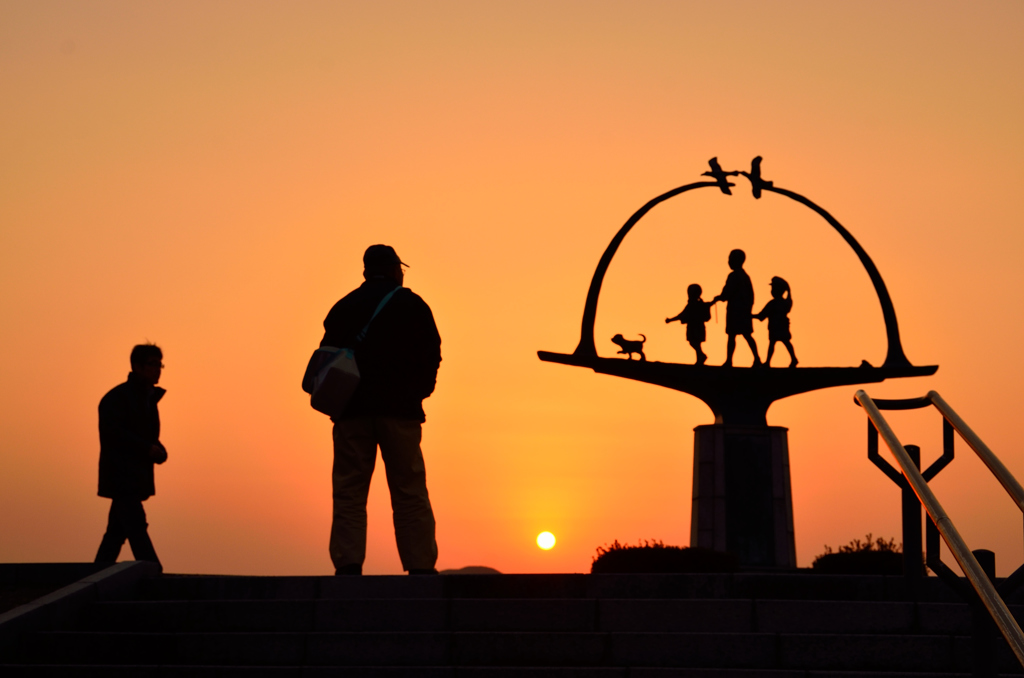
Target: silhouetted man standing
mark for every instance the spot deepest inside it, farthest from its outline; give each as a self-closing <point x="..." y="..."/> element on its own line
<point x="398" y="361"/>
<point x="129" y="447"/>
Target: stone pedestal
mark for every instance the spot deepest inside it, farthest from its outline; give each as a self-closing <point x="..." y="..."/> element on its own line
<point x="742" y="497"/>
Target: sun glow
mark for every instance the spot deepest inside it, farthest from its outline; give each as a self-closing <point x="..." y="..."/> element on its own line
<point x="546" y="540"/>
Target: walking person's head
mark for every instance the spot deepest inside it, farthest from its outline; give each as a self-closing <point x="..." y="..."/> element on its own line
<point x="780" y="288"/>
<point x="736" y="259"/>
<point x="382" y="260"/>
<point x="147" y="363"/>
<point x="693" y="292"/>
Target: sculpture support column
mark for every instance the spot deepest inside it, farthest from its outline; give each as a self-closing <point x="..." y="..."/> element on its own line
<point x="742" y="496"/>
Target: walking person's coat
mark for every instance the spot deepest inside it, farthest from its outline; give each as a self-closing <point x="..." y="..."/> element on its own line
<point x="129" y="427"/>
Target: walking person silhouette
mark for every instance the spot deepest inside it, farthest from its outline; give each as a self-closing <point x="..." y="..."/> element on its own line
<point x="694" y="315"/>
<point x="739" y="293"/>
<point x="129" y="447"/>
<point x="777" y="313"/>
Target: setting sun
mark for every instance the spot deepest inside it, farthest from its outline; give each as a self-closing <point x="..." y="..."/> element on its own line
<point x="546" y="540"/>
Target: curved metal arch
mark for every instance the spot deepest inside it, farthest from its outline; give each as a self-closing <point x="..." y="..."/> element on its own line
<point x="894" y="357"/>
<point x="586" y="346"/>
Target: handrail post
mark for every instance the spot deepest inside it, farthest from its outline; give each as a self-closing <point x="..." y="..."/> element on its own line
<point x="983" y="629"/>
<point x="913" y="568"/>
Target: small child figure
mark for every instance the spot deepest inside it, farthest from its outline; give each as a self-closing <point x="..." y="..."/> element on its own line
<point x="777" y="313"/>
<point x="696" y="313"/>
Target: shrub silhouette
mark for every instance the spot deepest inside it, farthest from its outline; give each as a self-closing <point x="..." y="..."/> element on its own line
<point x="862" y="557"/>
<point x="654" y="557"/>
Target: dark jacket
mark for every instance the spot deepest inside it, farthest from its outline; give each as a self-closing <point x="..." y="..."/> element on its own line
<point x="129" y="426"/>
<point x="399" y="357"/>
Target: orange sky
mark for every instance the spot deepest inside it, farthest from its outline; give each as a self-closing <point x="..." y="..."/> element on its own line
<point x="207" y="175"/>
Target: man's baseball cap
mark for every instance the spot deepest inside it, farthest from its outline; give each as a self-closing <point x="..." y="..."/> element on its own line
<point x="377" y="256"/>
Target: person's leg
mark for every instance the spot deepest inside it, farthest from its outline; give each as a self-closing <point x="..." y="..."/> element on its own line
<point x="113" y="539"/>
<point x="134" y="521"/>
<point x="753" y="348"/>
<point x="771" y="351"/>
<point x="410" y="503"/>
<point x="355" y="453"/>
<point x="701" y="358"/>
<point x="730" y="348"/>
<point x="792" y="353"/>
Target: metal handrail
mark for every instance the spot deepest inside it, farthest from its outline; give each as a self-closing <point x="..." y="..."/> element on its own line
<point x="987" y="456"/>
<point x="982" y="585"/>
<point x="1002" y="474"/>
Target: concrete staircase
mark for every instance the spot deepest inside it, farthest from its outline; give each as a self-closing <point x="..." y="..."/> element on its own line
<point x="796" y="625"/>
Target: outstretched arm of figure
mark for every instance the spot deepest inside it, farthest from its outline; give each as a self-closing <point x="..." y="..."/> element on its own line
<point x="678" y="317"/>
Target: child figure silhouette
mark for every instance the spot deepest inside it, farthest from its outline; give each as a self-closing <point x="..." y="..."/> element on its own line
<point x="739" y="295"/>
<point x="777" y="313"/>
<point x="694" y="315"/>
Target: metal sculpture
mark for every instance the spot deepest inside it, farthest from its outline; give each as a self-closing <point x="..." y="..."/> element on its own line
<point x="742" y="501"/>
<point x="739" y="396"/>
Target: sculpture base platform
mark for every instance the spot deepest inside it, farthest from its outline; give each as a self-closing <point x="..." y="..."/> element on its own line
<point x="742" y="496"/>
<point x="737" y="395"/>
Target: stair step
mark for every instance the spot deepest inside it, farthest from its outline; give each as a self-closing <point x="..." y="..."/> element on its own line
<point x="750" y="625"/>
<point x="696" y="650"/>
<point x="348" y="615"/>
<point x="803" y="586"/>
<point x="151" y="671"/>
<point x="547" y="614"/>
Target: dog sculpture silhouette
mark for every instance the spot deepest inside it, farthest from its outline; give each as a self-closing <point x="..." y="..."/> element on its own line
<point x="629" y="347"/>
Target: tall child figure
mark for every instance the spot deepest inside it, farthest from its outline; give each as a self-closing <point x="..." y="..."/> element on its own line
<point x="739" y="294"/>
<point x="777" y="313"/>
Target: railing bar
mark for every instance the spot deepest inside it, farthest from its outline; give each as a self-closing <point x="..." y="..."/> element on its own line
<point x="903" y="404"/>
<point x="968" y="563"/>
<point x="1002" y="474"/>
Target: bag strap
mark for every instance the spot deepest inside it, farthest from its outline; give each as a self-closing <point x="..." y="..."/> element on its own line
<point x="383" y="302"/>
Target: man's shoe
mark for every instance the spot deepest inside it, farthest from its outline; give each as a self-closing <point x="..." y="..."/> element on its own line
<point x="353" y="569"/>
<point x="423" y="570"/>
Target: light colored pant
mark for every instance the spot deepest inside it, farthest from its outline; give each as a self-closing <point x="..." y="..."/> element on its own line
<point x="355" y="453"/>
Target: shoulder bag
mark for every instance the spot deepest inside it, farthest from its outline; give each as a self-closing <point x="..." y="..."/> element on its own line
<point x="332" y="374"/>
